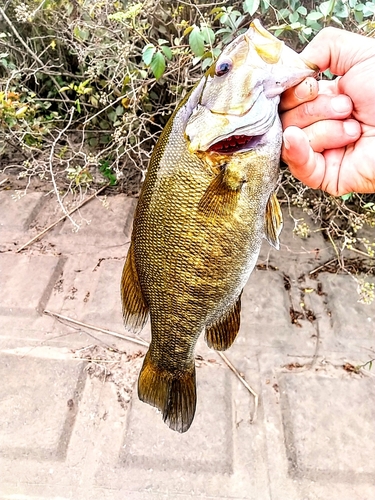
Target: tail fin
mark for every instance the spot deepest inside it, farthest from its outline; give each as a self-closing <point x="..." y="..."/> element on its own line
<point x="173" y="393"/>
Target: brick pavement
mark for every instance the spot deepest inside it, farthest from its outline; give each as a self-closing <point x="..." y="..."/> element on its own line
<point x="65" y="433"/>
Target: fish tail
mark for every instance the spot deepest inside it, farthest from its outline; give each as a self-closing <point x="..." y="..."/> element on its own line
<point x="173" y="393"/>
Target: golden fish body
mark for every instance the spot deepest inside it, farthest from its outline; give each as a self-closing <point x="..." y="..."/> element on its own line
<point x="205" y="206"/>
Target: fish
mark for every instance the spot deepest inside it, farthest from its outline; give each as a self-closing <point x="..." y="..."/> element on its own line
<point x="207" y="202"/>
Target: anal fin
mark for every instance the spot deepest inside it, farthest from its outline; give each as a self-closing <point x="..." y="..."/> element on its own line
<point x="221" y="334"/>
<point x="134" y="307"/>
<point x="273" y="222"/>
<point x="172" y="392"/>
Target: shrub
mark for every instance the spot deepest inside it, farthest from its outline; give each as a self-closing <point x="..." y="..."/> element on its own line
<point x="86" y="86"/>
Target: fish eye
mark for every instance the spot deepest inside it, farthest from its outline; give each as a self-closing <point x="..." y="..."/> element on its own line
<point x="223" y="67"/>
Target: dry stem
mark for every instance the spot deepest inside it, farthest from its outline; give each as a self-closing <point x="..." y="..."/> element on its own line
<point x="61" y="219"/>
<point x="243" y="381"/>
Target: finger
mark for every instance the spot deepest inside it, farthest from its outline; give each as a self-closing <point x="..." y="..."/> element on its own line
<point x="338" y="50"/>
<point x="305" y="91"/>
<point x="303" y="162"/>
<point x="332" y="134"/>
<point x="331" y="181"/>
<point x="324" y="107"/>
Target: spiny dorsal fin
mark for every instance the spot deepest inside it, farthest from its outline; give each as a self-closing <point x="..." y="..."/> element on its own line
<point x="221" y="334"/>
<point x="273" y="221"/>
<point x="173" y="393"/>
<point x="221" y="196"/>
<point x="134" y="307"/>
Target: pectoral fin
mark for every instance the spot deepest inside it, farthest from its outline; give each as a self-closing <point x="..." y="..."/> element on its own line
<point x="273" y="221"/>
<point x="221" y="334"/>
<point x="221" y="196"/>
<point x="134" y="307"/>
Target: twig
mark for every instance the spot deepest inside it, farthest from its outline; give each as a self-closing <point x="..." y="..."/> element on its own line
<point x="361" y="253"/>
<point x="4" y="181"/>
<point x="243" y="381"/>
<point x="146" y="344"/>
<point x="51" y="168"/>
<point x="34" y="56"/>
<point x="322" y="266"/>
<point x="61" y="218"/>
<point x="97" y="329"/>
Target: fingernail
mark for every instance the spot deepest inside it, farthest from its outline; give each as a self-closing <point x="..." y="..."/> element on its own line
<point x="303" y="90"/>
<point x="352" y="128"/>
<point x="341" y="104"/>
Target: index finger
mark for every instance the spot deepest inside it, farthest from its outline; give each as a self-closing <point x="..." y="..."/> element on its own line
<point x="305" y="91"/>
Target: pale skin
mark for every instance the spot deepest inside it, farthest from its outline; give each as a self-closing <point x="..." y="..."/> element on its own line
<point x="329" y="126"/>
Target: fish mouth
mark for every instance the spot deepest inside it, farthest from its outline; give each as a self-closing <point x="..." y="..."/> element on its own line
<point x="235" y="144"/>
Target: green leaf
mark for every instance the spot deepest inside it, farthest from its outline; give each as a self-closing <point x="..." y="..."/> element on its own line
<point x="206" y="63"/>
<point x="369" y="9"/>
<point x="302" y="10"/>
<point x="325" y="8"/>
<point x="337" y="20"/>
<point x="119" y="110"/>
<point x="148" y="53"/>
<point x="251" y="6"/>
<point x="196" y="42"/>
<point x="112" y="116"/>
<point x="167" y="52"/>
<point x="307" y="31"/>
<point x="314" y="16"/>
<point x="82" y="34"/>
<point x="162" y="41"/>
<point x="293" y="17"/>
<point x="208" y="35"/>
<point x="158" y="65"/>
<point x="346" y="197"/>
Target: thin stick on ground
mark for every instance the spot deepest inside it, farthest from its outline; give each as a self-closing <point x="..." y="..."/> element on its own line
<point x="243" y="381"/>
<point x="146" y="344"/>
<point x="4" y="181"/>
<point x="135" y="340"/>
<point x="42" y="233"/>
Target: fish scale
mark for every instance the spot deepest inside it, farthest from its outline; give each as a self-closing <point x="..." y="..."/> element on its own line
<point x="202" y="215"/>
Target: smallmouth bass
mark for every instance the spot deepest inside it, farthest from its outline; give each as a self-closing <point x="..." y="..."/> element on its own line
<point x="206" y="204"/>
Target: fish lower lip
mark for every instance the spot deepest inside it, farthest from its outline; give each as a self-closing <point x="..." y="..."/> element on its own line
<point x="235" y="143"/>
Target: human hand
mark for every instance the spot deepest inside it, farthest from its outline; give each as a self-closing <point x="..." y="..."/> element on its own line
<point x="329" y="126"/>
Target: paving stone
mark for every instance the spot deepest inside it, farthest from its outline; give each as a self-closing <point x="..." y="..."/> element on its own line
<point x="222" y="455"/>
<point x="266" y="314"/>
<point x="103" y="226"/>
<point x="353" y="322"/>
<point x="296" y="254"/>
<point x="37" y="415"/>
<point x="319" y="429"/>
<point x="27" y="283"/>
<point x="18" y="213"/>
<point x="317" y="447"/>
<point x="314" y="433"/>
